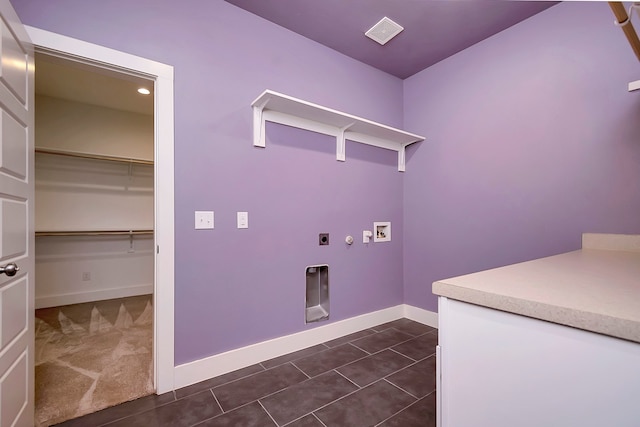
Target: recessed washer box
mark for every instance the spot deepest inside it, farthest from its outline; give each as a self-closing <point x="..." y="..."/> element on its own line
<point x="382" y="231"/>
<point x="317" y="293"/>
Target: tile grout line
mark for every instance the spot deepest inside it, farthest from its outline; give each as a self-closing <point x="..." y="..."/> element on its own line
<point x="316" y="417"/>
<point x="272" y="393"/>
<point x="326" y="347"/>
<point x="426" y="357"/>
<point x="413" y="364"/>
<point x="422" y="333"/>
<point x="238" y="379"/>
<point x="361" y="349"/>
<point x="296" y="419"/>
<point x="347" y="379"/>
<point x="310" y="378"/>
<point x="406" y="333"/>
<point x="225" y="412"/>
<point x="222" y="384"/>
<point x="404" y="355"/>
<point x="336" y="367"/>
<point x="296" y="366"/>
<point x="400" y="388"/>
<point x="403" y="409"/>
<point x="267" y="412"/>
<point x="338" y="399"/>
<point x="396" y="371"/>
<point x="296" y="384"/>
<point x="312" y="414"/>
<point x="388" y="347"/>
<point x="361" y="358"/>
<point x="217" y="401"/>
<point x="349" y="341"/>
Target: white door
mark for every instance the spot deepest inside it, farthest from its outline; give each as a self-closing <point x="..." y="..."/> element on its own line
<point x="16" y="222"/>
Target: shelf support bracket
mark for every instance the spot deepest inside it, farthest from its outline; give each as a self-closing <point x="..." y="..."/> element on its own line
<point x="259" y="125"/>
<point x="341" y="143"/>
<point x="402" y="158"/>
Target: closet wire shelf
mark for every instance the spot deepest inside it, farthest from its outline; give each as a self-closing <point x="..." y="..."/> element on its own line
<point x="93" y="156"/>
<point x="95" y="233"/>
<point x="129" y="233"/>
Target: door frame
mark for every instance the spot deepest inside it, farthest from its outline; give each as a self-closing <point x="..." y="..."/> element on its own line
<point x="162" y="76"/>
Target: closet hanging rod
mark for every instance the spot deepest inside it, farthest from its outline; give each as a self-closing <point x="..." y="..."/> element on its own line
<point x="95" y="233"/>
<point x="624" y="21"/>
<point x="93" y="156"/>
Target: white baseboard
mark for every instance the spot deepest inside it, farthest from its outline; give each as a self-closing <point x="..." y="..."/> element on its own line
<point x="219" y="364"/>
<point x="423" y="316"/>
<point x="87" y="296"/>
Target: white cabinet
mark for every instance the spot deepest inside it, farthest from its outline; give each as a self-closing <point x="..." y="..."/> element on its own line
<point x="549" y="342"/>
<point x="502" y="370"/>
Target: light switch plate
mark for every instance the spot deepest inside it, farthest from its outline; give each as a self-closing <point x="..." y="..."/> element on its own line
<point x="204" y="220"/>
<point x="243" y="219"/>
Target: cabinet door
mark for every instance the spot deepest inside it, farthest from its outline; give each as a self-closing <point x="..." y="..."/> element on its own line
<point x="502" y="370"/>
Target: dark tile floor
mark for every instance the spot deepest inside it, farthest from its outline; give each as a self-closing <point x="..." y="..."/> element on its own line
<point x="383" y="376"/>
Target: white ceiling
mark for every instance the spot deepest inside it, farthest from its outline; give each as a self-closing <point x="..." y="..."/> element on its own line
<point x="73" y="81"/>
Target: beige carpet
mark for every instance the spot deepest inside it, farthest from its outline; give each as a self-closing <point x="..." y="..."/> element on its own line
<point x="91" y="356"/>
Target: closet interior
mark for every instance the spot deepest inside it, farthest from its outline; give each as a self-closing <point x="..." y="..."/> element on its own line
<point x="94" y="220"/>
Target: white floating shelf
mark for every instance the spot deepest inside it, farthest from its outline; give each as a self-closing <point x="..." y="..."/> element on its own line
<point x="275" y="107"/>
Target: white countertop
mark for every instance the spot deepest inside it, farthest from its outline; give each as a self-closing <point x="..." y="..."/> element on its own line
<point x="592" y="289"/>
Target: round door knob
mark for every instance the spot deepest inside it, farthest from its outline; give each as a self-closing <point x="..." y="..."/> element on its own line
<point x="10" y="269"/>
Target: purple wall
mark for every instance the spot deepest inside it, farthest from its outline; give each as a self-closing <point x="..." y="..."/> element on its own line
<point x="532" y="139"/>
<point x="237" y="287"/>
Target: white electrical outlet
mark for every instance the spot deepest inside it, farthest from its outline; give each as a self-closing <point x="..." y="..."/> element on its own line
<point x="204" y="220"/>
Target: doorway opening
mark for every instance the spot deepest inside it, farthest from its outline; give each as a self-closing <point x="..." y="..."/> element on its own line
<point x="127" y="181"/>
<point x="94" y="252"/>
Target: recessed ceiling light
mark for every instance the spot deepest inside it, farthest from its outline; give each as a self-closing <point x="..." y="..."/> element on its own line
<point x="384" y="31"/>
<point x="144" y="91"/>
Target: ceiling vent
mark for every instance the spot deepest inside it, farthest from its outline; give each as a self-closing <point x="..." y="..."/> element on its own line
<point x="384" y="31"/>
